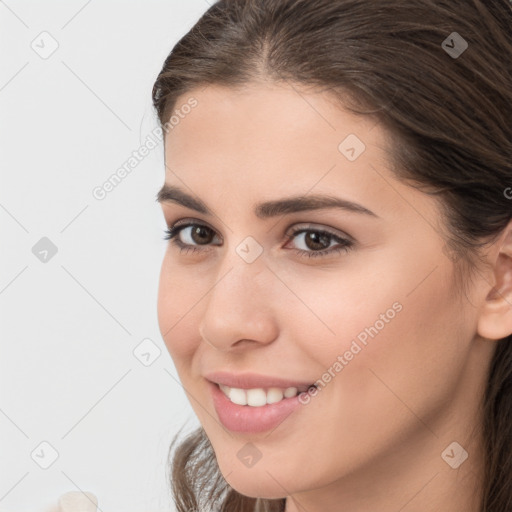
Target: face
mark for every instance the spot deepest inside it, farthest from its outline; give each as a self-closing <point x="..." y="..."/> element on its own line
<point x="357" y="297"/>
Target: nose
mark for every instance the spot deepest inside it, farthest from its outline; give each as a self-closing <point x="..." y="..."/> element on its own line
<point x="239" y="309"/>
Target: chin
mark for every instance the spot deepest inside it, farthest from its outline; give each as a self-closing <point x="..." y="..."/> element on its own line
<point x="255" y="482"/>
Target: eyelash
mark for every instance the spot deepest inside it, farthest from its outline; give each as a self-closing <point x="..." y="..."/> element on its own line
<point x="346" y="244"/>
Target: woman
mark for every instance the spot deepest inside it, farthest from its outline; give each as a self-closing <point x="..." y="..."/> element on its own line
<point x="337" y="290"/>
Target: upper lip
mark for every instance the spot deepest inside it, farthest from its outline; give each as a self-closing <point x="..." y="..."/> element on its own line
<point x="255" y="380"/>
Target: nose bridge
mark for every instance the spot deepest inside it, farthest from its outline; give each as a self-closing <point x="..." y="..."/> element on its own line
<point x="238" y="305"/>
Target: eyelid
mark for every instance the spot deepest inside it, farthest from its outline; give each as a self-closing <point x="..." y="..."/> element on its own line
<point x="289" y="232"/>
<point x="296" y="225"/>
<point x="345" y="242"/>
<point x="191" y="221"/>
<point x="309" y="226"/>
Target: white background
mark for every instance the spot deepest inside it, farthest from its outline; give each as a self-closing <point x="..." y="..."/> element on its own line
<point x="69" y="326"/>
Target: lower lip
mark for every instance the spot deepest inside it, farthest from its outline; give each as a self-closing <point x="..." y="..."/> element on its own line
<point x="245" y="418"/>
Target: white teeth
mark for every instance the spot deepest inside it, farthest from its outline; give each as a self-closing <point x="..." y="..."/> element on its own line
<point x="274" y="395"/>
<point x="257" y="397"/>
<point x="289" y="392"/>
<point x="238" y="396"/>
<point x="225" y="389"/>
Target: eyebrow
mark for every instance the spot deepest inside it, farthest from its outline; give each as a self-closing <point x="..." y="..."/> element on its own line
<point x="267" y="209"/>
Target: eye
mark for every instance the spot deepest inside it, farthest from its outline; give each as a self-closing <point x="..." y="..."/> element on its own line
<point x="191" y="236"/>
<point x="315" y="239"/>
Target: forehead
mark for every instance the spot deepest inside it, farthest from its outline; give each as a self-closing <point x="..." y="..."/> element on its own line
<point x="268" y="140"/>
<point x="265" y="119"/>
<point x="267" y="129"/>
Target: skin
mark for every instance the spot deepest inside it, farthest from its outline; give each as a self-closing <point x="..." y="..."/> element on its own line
<point x="372" y="438"/>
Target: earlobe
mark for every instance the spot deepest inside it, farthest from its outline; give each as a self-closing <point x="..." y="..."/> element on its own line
<point x="495" y="321"/>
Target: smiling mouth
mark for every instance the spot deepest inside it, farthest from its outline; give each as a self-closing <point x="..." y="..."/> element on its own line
<point x="259" y="397"/>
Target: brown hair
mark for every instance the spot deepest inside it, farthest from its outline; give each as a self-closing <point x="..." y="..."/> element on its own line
<point x="450" y="117"/>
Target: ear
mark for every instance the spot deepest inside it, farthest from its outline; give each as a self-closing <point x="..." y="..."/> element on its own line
<point x="495" y="320"/>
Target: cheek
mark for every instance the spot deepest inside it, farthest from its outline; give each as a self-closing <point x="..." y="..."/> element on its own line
<point x="177" y="295"/>
<point x="340" y="311"/>
<point x="402" y="347"/>
<point x="384" y="335"/>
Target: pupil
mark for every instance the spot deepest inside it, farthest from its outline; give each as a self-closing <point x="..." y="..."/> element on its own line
<point x="202" y="232"/>
<point x="315" y="237"/>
